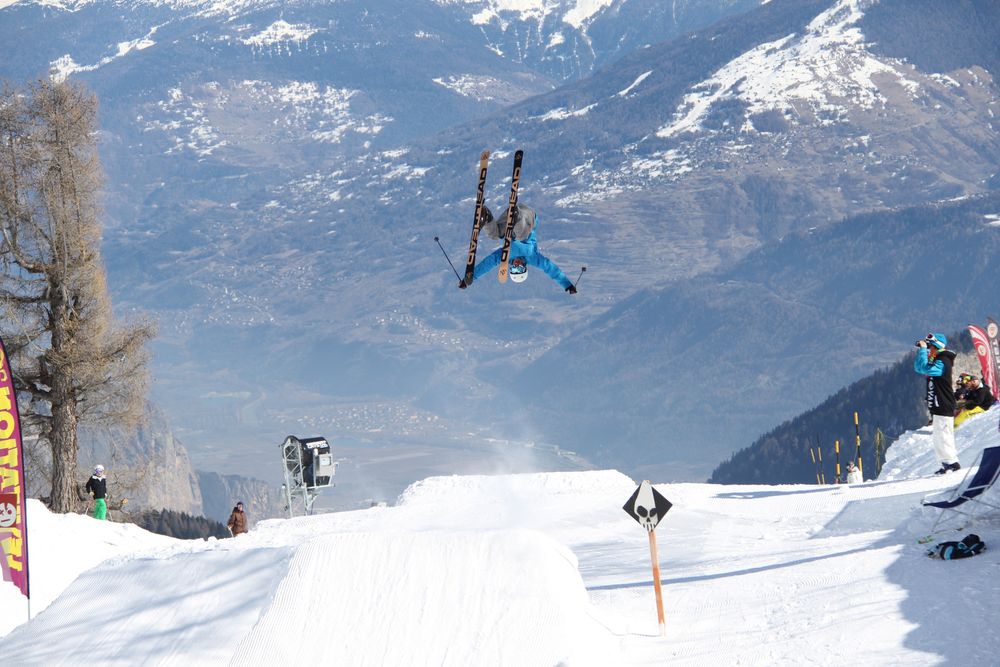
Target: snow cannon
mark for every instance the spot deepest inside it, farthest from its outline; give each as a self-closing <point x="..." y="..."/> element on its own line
<point x="308" y="468"/>
<point x="321" y="466"/>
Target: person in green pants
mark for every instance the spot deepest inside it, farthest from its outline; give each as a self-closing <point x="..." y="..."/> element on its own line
<point x="97" y="485"/>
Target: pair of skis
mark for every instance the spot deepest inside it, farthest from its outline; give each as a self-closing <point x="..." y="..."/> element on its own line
<point x="477" y="223"/>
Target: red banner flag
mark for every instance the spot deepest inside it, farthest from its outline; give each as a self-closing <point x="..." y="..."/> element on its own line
<point x="982" y="343"/>
<point x="993" y="333"/>
<point x="13" y="520"/>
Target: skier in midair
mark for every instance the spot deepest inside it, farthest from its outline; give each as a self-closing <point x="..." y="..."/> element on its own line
<point x="523" y="248"/>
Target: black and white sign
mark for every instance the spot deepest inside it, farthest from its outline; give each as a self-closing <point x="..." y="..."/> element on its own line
<point x="647" y="506"/>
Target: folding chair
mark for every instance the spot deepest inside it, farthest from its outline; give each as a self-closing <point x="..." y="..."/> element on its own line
<point x="971" y="490"/>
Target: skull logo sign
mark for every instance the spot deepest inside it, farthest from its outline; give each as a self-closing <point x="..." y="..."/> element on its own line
<point x="647" y="506"/>
<point x="8" y="514"/>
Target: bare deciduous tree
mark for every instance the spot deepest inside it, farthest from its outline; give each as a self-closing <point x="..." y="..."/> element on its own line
<point x="73" y="360"/>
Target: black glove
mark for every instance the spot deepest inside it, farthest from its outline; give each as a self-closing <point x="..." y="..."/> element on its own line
<point x="461" y="284"/>
<point x="571" y="289"/>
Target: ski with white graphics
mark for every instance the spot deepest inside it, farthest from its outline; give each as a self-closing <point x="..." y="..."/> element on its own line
<point x="515" y="180"/>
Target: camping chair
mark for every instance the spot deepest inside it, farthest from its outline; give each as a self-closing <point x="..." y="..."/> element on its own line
<point x="971" y="490"/>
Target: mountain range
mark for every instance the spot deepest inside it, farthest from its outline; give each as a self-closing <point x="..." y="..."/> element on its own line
<point x="735" y="176"/>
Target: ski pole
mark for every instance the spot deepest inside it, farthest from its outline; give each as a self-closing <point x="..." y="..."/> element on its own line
<point x="583" y="269"/>
<point x="447" y="258"/>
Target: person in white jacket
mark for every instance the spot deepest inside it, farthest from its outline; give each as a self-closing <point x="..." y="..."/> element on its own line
<point x="853" y="474"/>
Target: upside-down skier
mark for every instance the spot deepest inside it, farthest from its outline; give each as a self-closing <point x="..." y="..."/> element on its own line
<point x="523" y="248"/>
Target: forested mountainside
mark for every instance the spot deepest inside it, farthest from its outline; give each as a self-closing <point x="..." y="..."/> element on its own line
<point x="891" y="399"/>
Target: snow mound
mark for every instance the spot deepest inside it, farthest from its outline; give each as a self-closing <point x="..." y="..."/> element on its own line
<point x="534" y="486"/>
<point x="168" y="610"/>
<point x="51" y="537"/>
<point x="912" y="454"/>
<point x="550" y="502"/>
<point x="456" y="598"/>
<point x="510" y="597"/>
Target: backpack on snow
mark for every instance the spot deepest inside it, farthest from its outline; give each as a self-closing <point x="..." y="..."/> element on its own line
<point x="969" y="546"/>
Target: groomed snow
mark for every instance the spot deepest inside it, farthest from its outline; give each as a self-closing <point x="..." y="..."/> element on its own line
<point x="536" y="569"/>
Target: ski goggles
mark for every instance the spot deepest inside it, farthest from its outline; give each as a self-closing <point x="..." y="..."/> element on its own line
<point x="518" y="266"/>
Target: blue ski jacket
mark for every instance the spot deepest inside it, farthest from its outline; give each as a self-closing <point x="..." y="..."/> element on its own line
<point x="528" y="248"/>
<point x="923" y="365"/>
<point x="940" y="390"/>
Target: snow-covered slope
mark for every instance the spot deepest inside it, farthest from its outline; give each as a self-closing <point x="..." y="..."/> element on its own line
<point x="536" y="569"/>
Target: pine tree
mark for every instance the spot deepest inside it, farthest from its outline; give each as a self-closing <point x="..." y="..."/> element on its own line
<point x="73" y="361"/>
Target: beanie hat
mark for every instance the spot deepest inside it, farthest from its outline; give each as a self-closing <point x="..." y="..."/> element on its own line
<point x="940" y="341"/>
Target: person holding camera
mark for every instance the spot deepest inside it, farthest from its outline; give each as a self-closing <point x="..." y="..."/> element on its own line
<point x="935" y="362"/>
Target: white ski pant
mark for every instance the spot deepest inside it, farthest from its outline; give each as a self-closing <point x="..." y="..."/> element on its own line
<point x="944" y="439"/>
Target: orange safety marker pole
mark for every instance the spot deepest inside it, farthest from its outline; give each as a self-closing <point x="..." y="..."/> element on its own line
<point x="656" y="583"/>
<point x="857" y="450"/>
<point x="836" y="448"/>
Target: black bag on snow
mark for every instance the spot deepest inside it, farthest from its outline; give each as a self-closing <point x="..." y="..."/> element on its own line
<point x="969" y="546"/>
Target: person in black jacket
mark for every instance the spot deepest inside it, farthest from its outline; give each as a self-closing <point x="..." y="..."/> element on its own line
<point x="980" y="394"/>
<point x="935" y="361"/>
<point x="97" y="486"/>
<point x="978" y="398"/>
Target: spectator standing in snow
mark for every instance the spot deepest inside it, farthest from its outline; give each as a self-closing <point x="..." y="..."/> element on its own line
<point x="97" y="486"/>
<point x="978" y="398"/>
<point x="853" y="474"/>
<point x="935" y="362"/>
<point x="237" y="523"/>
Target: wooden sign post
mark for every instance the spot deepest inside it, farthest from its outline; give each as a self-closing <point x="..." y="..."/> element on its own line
<point x="656" y="582"/>
<point x="647" y="507"/>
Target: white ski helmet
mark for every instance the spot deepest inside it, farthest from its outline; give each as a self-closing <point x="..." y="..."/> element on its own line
<point x="518" y="269"/>
<point x="98" y="470"/>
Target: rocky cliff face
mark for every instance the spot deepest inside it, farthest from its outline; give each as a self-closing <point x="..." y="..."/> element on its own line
<point x="150" y="467"/>
<point x="153" y="470"/>
<point x="221" y="492"/>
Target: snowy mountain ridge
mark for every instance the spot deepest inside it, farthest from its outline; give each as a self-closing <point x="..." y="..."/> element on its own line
<point x="776" y="99"/>
<point x="798" y="75"/>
